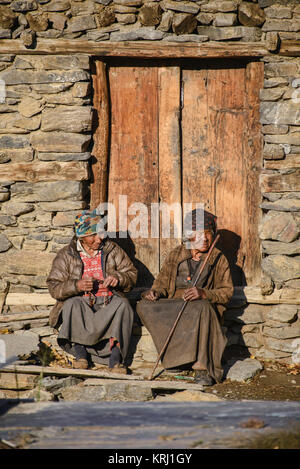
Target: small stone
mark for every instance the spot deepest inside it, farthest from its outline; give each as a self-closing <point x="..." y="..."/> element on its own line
<point x="29" y="107"/>
<point x="205" y="18"/>
<point x="81" y="23"/>
<point x="126" y="18"/>
<point x="64" y="156"/>
<point x="184" y="23"/>
<point x="219" y="6"/>
<point x="150" y="14"/>
<point x="64" y="218"/>
<point x="105" y="17"/>
<point x="67" y="118"/>
<point x="273" y="152"/>
<point x="37" y="21"/>
<point x="99" y="35"/>
<point x="28" y="124"/>
<point x="250" y="14"/>
<point x="7" y="220"/>
<point x="225" y="19"/>
<point x="279" y="226"/>
<point x="185" y="38"/>
<point x="5" y="33"/>
<point x="271" y="94"/>
<point x="57" y="5"/>
<point x="281" y="268"/>
<point x="283" y="313"/>
<point x="189" y="396"/>
<point x="16" y="208"/>
<point x="5" y="244"/>
<point x="166" y="21"/>
<point x="275" y="247"/>
<point x="23" y="6"/>
<point x="281" y="25"/>
<point x="28" y="38"/>
<point x="7" y="18"/>
<point x="244" y="370"/>
<point x="47" y="191"/>
<point x="272" y="41"/>
<point x="181" y="6"/>
<point x="60" y="142"/>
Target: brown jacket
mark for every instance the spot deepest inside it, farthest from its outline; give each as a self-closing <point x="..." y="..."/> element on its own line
<point x="219" y="286"/>
<point x="67" y="269"/>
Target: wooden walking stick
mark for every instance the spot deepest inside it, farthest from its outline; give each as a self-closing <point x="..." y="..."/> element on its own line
<point x="184" y="305"/>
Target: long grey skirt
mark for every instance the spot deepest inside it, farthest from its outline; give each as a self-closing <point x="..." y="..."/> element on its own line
<point x="198" y="335"/>
<point x="93" y="327"/>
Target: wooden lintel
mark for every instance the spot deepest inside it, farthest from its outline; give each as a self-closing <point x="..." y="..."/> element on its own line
<point x="145" y="49"/>
<point x="290" y="48"/>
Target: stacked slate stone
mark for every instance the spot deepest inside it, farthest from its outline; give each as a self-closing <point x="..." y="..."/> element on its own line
<point x="46" y="141"/>
<point x="171" y="20"/>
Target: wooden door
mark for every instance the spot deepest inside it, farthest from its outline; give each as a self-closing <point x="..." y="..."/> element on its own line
<point x="180" y="134"/>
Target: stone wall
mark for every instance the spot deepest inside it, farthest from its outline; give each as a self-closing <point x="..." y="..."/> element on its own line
<point x="46" y="140"/>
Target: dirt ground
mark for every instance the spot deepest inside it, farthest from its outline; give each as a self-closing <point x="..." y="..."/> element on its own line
<point x="275" y="382"/>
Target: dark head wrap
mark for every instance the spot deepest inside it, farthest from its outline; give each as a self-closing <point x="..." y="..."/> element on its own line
<point x="199" y="219"/>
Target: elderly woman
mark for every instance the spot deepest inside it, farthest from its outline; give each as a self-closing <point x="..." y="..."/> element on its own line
<point x="198" y="338"/>
<point x="88" y="278"/>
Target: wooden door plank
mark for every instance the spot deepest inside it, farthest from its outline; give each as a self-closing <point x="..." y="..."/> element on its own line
<point x="100" y="151"/>
<point x="253" y="166"/>
<point x="133" y="168"/>
<point x="169" y="155"/>
<point x="219" y="123"/>
<point x="225" y="95"/>
<point x="196" y="152"/>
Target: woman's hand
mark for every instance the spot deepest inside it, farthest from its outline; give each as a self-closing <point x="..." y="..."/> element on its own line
<point x="151" y="295"/>
<point x="110" y="281"/>
<point x="194" y="293"/>
<point x="85" y="284"/>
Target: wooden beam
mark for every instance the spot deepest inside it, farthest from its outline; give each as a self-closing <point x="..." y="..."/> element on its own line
<point x="146" y="49"/>
<point x="42" y="171"/>
<point x="99" y="184"/>
<point x="290" y="48"/>
<point x="94" y="377"/>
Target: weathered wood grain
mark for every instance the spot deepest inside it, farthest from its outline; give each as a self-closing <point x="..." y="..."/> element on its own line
<point x="43" y="171"/>
<point x="169" y="157"/>
<point x="136" y="49"/>
<point x="133" y="170"/>
<point x="99" y="183"/>
<point x="290" y="48"/>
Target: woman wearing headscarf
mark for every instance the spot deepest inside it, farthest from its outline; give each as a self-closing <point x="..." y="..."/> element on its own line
<point x="88" y="279"/>
<point x="198" y="338"/>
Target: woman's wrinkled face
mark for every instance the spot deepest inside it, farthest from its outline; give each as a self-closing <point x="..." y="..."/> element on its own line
<point x="91" y="242"/>
<point x="202" y="240"/>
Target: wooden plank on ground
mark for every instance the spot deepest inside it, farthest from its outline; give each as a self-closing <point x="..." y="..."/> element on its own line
<point x="59" y="371"/>
<point x="95" y="378"/>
